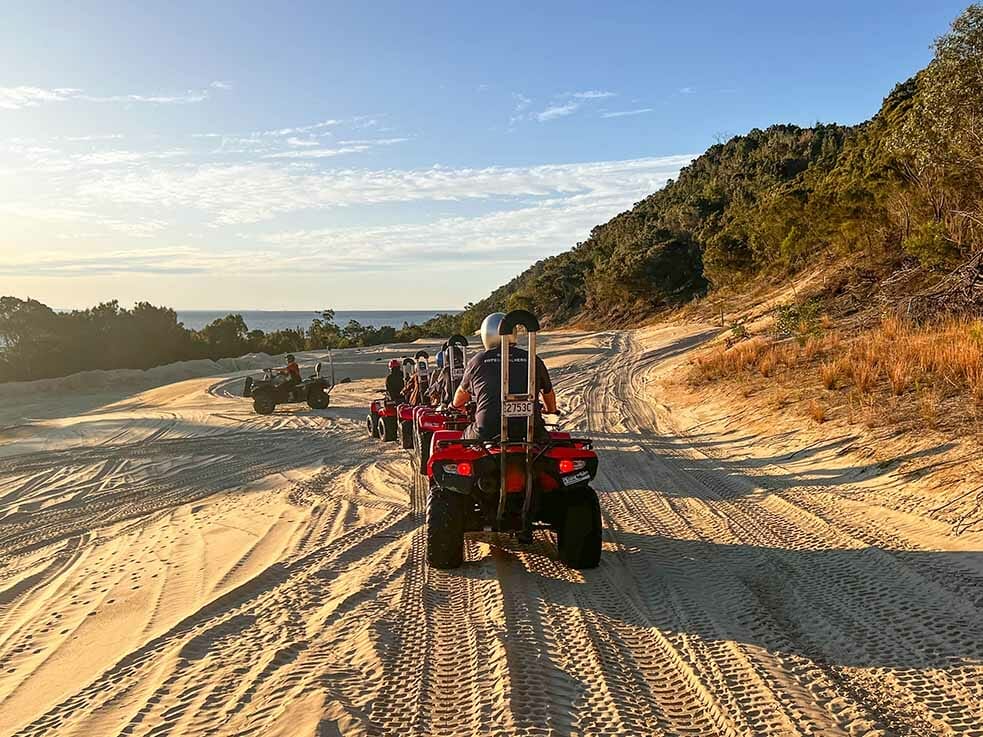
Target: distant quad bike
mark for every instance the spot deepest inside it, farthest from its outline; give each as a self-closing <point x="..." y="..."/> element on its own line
<point x="408" y="428"/>
<point x="513" y="485"/>
<point x="381" y="419"/>
<point x="273" y="390"/>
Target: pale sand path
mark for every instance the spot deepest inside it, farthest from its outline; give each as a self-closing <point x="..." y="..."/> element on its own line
<point x="175" y="565"/>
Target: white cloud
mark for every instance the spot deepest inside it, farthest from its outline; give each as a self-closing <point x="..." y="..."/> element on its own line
<point x="220" y="85"/>
<point x="344" y="147"/>
<point x="299" y="129"/>
<point x="252" y="193"/>
<point x="294" y="141"/>
<point x="109" y="158"/>
<point x="187" y="98"/>
<point x="134" y="227"/>
<point x="536" y="212"/>
<point x="592" y="94"/>
<point x="104" y="137"/>
<point x="687" y="91"/>
<point x="318" y="153"/>
<point x="16" y="98"/>
<point x="624" y="113"/>
<point x="557" y="111"/>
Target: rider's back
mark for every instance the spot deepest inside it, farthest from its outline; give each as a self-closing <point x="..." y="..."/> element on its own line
<point x="483" y="381"/>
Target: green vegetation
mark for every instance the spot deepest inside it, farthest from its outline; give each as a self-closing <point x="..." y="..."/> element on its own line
<point x="905" y="188"/>
<point x="37" y="343"/>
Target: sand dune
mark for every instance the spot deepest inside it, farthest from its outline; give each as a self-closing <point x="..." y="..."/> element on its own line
<point x="173" y="564"/>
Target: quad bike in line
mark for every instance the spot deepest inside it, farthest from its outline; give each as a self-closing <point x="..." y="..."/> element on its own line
<point x="274" y="389"/>
<point x="513" y="485"/>
<point x="417" y="422"/>
<point x="382" y="418"/>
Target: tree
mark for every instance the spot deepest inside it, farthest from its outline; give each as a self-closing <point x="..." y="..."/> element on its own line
<point x="226" y="336"/>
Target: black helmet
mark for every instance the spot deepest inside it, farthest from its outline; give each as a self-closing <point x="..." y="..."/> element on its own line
<point x="290" y="358"/>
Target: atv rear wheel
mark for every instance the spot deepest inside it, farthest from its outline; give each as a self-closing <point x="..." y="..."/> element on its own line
<point x="405" y="434"/>
<point x="445" y="528"/>
<point x="372" y="425"/>
<point x="421" y="441"/>
<point x="264" y="404"/>
<point x="578" y="532"/>
<point x="387" y="429"/>
<point x="317" y="398"/>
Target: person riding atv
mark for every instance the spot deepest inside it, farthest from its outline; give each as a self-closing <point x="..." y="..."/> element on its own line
<point x="394" y="381"/>
<point x="284" y="384"/>
<point x="416" y="389"/>
<point x="291" y="370"/>
<point x="504" y="478"/>
<point x="481" y="384"/>
<point x="449" y="372"/>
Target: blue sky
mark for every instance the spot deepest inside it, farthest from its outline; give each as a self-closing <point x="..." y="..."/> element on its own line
<point x="403" y="155"/>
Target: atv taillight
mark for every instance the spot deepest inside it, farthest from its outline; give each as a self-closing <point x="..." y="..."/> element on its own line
<point x="464" y="468"/>
<point x="569" y="466"/>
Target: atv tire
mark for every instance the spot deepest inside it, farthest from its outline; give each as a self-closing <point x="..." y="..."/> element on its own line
<point x="578" y="531"/>
<point x="264" y="404"/>
<point x="317" y="398"/>
<point x="405" y="434"/>
<point x="445" y="528"/>
<point x="372" y="425"/>
<point x="387" y="429"/>
<point x="421" y="441"/>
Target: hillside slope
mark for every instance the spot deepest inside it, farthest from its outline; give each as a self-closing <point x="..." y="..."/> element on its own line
<point x="902" y="189"/>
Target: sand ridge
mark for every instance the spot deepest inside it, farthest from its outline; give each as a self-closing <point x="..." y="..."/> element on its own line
<point x="172" y="564"/>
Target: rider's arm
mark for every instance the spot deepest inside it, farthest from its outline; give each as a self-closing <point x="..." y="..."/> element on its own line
<point x="549" y="401"/>
<point x="545" y="386"/>
<point x="461" y="398"/>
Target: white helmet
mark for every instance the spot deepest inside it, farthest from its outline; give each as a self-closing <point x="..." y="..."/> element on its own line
<point x="490" y="335"/>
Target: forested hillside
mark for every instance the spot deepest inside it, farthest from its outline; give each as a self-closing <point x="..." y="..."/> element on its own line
<point x="903" y="189"/>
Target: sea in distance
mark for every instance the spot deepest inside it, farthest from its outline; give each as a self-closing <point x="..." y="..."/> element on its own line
<point x="269" y="320"/>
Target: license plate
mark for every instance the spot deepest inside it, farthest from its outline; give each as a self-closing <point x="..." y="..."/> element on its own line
<point x="575" y="478"/>
<point x="518" y="408"/>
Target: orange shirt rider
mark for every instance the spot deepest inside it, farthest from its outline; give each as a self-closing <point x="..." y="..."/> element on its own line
<point x="291" y="370"/>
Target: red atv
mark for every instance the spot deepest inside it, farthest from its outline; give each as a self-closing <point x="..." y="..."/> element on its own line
<point x="418" y="423"/>
<point x="516" y="485"/>
<point x="381" y="419"/>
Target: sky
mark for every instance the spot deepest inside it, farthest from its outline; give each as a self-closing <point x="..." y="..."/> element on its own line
<point x="387" y="155"/>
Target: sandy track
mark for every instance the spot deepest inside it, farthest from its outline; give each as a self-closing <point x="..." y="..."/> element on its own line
<point x="192" y="569"/>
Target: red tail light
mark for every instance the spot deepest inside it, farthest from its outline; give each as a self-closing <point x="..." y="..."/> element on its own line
<point x="464" y="469"/>
<point x="566" y="466"/>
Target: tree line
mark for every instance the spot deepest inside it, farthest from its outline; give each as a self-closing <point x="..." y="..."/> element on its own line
<point x="37" y="342"/>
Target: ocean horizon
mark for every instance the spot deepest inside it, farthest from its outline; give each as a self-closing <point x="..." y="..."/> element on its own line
<point x="269" y="320"/>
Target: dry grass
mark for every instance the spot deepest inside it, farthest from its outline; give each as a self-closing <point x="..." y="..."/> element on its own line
<point x="832" y="373"/>
<point x="767" y="362"/>
<point x="726" y="362"/>
<point x="899" y="374"/>
<point x="864" y="370"/>
<point x="941" y="364"/>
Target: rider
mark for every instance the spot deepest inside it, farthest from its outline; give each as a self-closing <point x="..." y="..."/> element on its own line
<point x="443" y="386"/>
<point x="291" y="370"/>
<point x="482" y="382"/>
<point x="394" y="381"/>
<point x="416" y="389"/>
